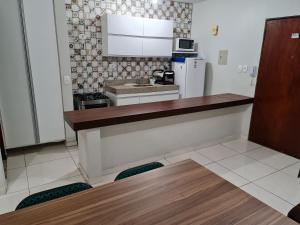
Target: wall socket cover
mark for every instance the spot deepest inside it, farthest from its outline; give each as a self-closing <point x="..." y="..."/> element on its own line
<point x="245" y="68"/>
<point x="240" y="68"/>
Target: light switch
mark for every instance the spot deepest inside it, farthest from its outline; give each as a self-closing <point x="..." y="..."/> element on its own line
<point x="67" y="80"/>
<point x="223" y="56"/>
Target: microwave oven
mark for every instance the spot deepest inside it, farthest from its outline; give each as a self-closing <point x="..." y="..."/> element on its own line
<point x="183" y="44"/>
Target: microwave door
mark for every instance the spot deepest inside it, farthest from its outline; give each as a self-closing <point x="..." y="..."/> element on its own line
<point x="187" y="45"/>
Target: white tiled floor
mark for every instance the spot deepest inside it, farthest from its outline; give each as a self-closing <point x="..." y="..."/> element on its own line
<point x="267" y="175"/>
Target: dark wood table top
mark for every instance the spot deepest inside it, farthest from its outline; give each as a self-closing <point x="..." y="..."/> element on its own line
<point x="181" y="193"/>
<point x="92" y="118"/>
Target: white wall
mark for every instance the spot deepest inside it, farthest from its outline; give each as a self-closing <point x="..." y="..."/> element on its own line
<point x="241" y="28"/>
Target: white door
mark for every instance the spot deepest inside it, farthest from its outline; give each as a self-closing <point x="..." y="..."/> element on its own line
<point x="15" y="97"/>
<point x="157" y="47"/>
<point x="43" y="55"/>
<point x="158" y="28"/>
<point x="124" y="25"/>
<point x="195" y="77"/>
<point x="180" y="76"/>
<point x="125" y="46"/>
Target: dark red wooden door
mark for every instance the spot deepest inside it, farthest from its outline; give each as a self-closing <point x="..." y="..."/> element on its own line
<point x="275" y="121"/>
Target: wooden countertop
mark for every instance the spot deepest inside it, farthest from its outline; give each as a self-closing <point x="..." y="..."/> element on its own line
<point x="100" y="117"/>
<point x="181" y="193"/>
<point x="132" y="89"/>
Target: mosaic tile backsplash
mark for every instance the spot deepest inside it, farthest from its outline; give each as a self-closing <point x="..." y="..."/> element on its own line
<point x="89" y="68"/>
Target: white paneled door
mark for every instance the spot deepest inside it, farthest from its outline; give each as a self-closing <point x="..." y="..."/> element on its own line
<point x="44" y="64"/>
<point x="15" y="97"/>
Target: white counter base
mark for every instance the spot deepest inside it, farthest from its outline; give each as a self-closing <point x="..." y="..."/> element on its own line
<point x="108" y="147"/>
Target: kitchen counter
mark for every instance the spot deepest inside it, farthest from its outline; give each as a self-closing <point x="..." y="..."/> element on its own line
<point x="92" y="118"/>
<point x="134" y="89"/>
<point x="115" y="136"/>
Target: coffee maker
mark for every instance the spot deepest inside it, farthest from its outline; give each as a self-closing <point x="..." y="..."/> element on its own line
<point x="164" y="77"/>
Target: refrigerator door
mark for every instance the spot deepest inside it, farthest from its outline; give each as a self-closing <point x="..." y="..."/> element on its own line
<point x="45" y="72"/>
<point x="195" y="77"/>
<point x="180" y="77"/>
<point x="15" y="96"/>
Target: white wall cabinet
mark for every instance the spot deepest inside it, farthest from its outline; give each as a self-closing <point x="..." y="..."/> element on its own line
<point x="158" y="28"/>
<point x="136" y="36"/>
<point x="157" y="47"/>
<point x="139" y="98"/>
<point x="124" y="45"/>
<point x="124" y="25"/>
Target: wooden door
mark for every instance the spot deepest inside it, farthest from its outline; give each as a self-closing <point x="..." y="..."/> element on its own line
<point x="275" y="121"/>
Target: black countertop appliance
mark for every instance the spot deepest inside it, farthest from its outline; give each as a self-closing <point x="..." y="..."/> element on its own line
<point x="90" y="100"/>
<point x="164" y="77"/>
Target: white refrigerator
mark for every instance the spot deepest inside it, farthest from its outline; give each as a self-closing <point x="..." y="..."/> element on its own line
<point x="190" y="76"/>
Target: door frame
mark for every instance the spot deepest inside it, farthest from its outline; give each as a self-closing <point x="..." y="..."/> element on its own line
<point x="2" y="144"/>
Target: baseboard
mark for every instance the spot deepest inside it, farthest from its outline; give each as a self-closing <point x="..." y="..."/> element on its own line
<point x="71" y="142"/>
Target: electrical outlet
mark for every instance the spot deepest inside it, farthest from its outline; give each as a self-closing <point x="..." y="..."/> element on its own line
<point x="245" y="68"/>
<point x="223" y="57"/>
<point x="240" y="69"/>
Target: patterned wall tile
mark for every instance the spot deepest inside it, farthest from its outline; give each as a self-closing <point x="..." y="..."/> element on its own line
<point x="89" y="68"/>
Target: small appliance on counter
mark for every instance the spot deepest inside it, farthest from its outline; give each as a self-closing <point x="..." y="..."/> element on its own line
<point x="90" y="100"/>
<point x="164" y="77"/>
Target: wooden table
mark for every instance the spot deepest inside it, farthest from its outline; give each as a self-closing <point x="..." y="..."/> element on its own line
<point x="181" y="193"/>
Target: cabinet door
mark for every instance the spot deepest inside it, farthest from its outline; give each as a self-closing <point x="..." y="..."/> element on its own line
<point x="124" y="46"/>
<point x="158" y="98"/>
<point x="180" y="77"/>
<point x="157" y="47"/>
<point x="195" y="77"/>
<point x="43" y="55"/>
<point x="128" y="101"/>
<point x="158" y="28"/>
<point x="124" y="25"/>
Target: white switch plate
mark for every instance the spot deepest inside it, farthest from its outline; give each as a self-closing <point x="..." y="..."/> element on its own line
<point x="67" y="80"/>
<point x="223" y="57"/>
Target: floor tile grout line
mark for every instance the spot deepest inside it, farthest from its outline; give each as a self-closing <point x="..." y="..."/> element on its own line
<point x="56" y="181"/>
<point x="49" y="161"/>
<point x="227" y="157"/>
<point x="248" y="150"/>
<point x="270" y="165"/>
<point x="273" y="193"/>
<point x="276" y="171"/>
<point x="249" y="181"/>
<point x="80" y="175"/>
<point x="27" y="180"/>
